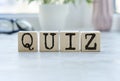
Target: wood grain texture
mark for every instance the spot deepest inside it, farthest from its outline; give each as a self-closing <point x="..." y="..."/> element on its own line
<point x="69" y="41"/>
<point x="49" y="41"/>
<point x="27" y="41"/>
<point x="90" y="41"/>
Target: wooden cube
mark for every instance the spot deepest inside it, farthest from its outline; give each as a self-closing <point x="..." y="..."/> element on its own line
<point x="49" y="41"/>
<point x="69" y="41"/>
<point x="27" y="41"/>
<point x="90" y="41"/>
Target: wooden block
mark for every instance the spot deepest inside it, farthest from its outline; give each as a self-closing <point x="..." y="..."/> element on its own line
<point x="69" y="41"/>
<point x="90" y="41"/>
<point x="27" y="41"/>
<point x="49" y="41"/>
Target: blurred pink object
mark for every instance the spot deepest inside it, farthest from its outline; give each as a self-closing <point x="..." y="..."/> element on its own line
<point x="103" y="14"/>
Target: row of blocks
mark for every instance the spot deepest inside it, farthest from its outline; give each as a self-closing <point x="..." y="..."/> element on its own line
<point x="63" y="41"/>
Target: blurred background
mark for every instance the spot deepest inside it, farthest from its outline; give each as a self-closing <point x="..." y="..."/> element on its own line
<point x="101" y="15"/>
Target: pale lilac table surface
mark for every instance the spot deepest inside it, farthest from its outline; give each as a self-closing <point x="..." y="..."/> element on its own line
<point x="59" y="66"/>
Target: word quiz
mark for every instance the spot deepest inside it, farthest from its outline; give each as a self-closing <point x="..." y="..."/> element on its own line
<point x="63" y="41"/>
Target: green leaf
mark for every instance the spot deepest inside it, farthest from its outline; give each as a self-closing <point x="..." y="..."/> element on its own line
<point x="54" y="1"/>
<point x="68" y="1"/>
<point x="89" y="1"/>
<point x="29" y="1"/>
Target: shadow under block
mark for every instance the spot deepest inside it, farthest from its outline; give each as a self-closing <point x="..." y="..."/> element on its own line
<point x="90" y="41"/>
<point x="69" y="41"/>
<point x="49" y="41"/>
<point x="27" y="41"/>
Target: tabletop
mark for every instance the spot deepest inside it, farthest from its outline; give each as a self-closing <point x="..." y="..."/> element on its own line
<point x="60" y="66"/>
